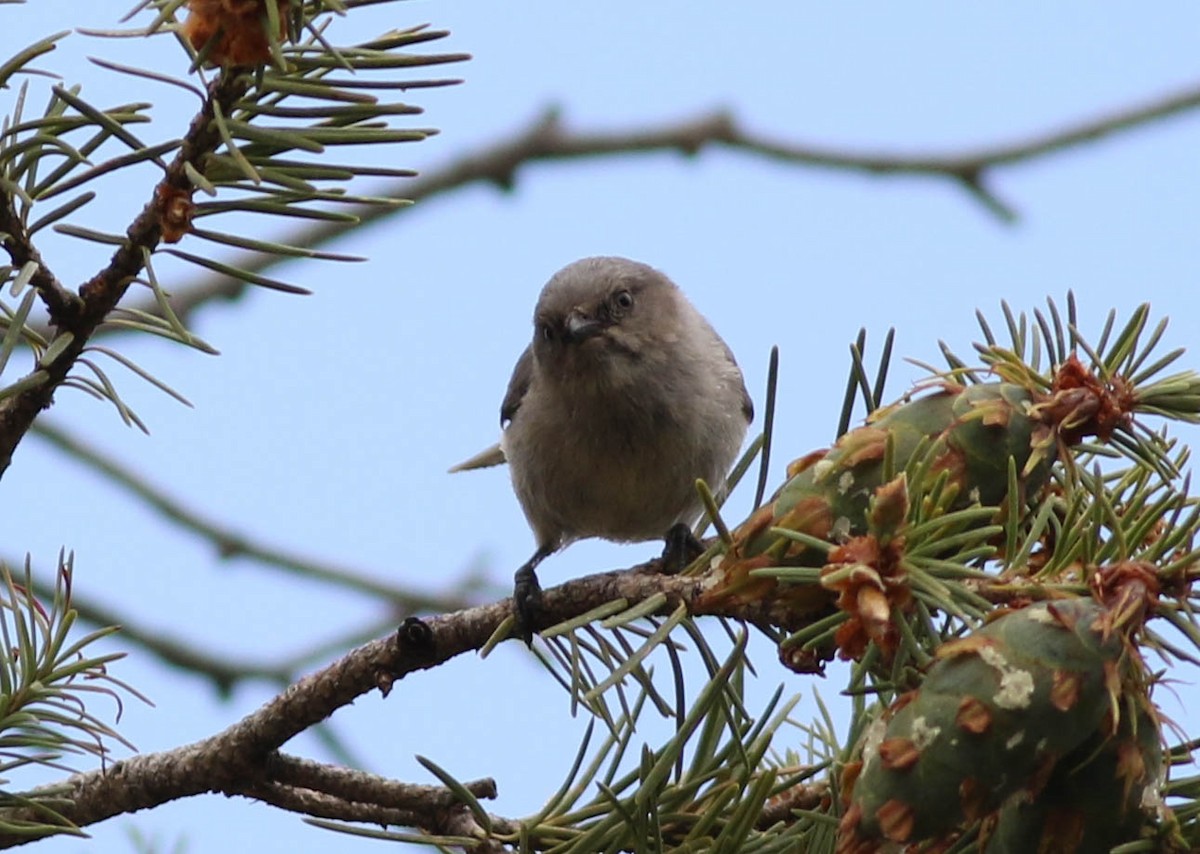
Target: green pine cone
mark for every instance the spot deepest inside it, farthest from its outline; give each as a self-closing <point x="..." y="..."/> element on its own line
<point x="969" y="432"/>
<point x="996" y="710"/>
<point x="1101" y="794"/>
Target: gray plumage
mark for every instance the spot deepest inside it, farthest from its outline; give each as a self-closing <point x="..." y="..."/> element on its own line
<point x="624" y="398"/>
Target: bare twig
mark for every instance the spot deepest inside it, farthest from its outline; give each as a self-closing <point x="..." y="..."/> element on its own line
<point x="321" y="805"/>
<point x="368" y="788"/>
<point x="327" y="791"/>
<point x="231" y="544"/>
<point x="546" y="139"/>
<point x="224" y="673"/>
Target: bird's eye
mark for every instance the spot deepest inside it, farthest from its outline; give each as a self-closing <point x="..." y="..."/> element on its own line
<point x="546" y="331"/>
<point x="623" y="300"/>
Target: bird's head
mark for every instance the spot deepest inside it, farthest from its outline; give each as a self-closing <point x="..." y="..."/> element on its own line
<point x="599" y="318"/>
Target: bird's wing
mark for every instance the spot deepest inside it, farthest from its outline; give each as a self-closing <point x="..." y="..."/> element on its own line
<point x="747" y="403"/>
<point x="518" y="384"/>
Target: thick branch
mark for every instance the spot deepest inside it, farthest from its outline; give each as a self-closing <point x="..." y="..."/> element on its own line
<point x="243" y="757"/>
<point x="546" y="139"/>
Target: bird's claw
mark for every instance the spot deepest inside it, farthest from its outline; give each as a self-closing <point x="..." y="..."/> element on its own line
<point x="527" y="603"/>
<point x="681" y="549"/>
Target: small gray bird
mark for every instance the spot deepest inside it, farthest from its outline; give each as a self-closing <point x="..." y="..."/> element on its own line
<point x="624" y="398"/>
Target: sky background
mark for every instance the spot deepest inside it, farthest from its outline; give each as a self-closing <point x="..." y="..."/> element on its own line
<point x="327" y="423"/>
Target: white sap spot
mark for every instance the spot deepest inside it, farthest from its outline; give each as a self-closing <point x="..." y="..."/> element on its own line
<point x="993" y="656"/>
<point x="1016" y="685"/>
<point x="1151" y="799"/>
<point x="822" y="469"/>
<point x="874" y="737"/>
<point x="923" y="734"/>
<point x="1014" y="740"/>
<point x="1041" y="615"/>
<point x="845" y="482"/>
<point x="841" y="528"/>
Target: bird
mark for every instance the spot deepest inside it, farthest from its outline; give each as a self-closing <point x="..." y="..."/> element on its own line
<point x="623" y="399"/>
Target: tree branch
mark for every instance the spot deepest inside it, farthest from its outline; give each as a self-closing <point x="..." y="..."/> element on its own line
<point x="243" y="757"/>
<point x="327" y="791"/>
<point x="320" y="805"/>
<point x="546" y="139"/>
<point x="369" y="788"/>
<point x="77" y="318"/>
<point x="18" y="243"/>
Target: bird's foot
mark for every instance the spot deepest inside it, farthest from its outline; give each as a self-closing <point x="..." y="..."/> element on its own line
<point x="681" y="549"/>
<point x="527" y="603"/>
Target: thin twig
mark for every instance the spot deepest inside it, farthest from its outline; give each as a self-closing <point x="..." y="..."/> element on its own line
<point x="368" y="788"/>
<point x="320" y="805"/>
<point x="17" y="242"/>
<point x="546" y="139"/>
<point x="224" y="673"/>
<point x="231" y="544"/>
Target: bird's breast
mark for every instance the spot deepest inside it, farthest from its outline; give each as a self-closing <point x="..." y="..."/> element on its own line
<point x="622" y="469"/>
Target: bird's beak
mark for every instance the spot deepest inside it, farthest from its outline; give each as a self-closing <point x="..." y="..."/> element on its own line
<point x="581" y="327"/>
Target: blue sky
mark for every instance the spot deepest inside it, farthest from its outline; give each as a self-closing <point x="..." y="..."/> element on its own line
<point x="327" y="423"/>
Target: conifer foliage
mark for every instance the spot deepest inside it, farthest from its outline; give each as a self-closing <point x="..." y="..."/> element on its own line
<point x="1000" y="557"/>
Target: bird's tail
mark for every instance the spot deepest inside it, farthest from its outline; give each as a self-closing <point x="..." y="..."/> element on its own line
<point x="493" y="456"/>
